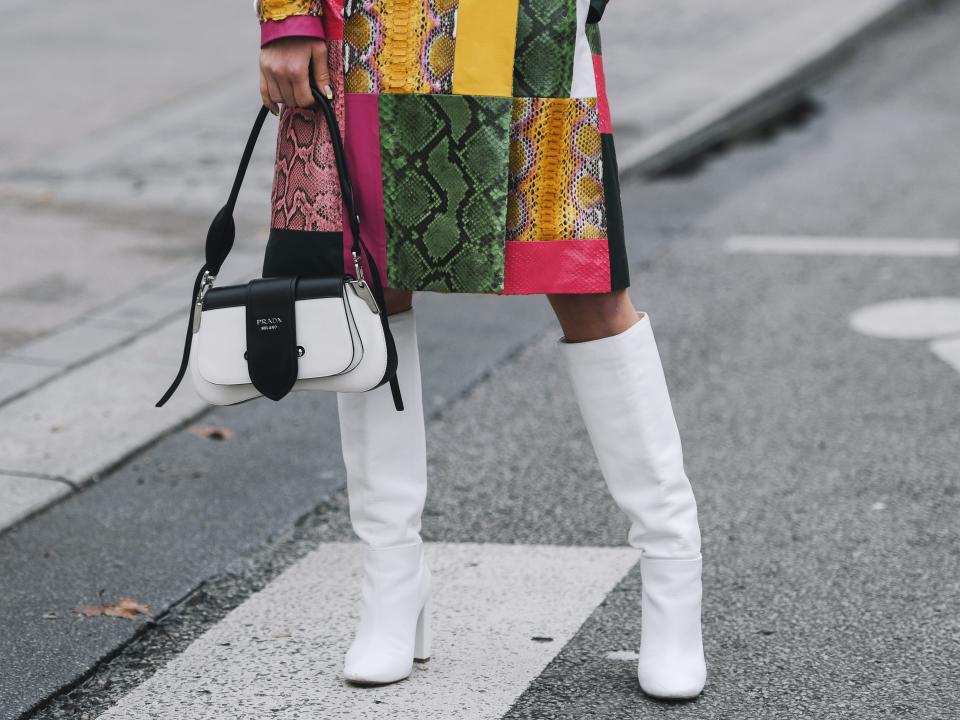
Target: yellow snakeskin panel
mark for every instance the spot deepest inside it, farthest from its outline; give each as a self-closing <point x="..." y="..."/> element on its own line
<point x="556" y="182"/>
<point x="282" y="9"/>
<point x="400" y="46"/>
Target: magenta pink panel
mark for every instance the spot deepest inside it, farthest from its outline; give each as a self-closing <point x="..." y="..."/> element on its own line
<point x="603" y="107"/>
<point x="294" y="26"/>
<point x="333" y="19"/>
<point x="362" y="141"/>
<point x="555" y="266"/>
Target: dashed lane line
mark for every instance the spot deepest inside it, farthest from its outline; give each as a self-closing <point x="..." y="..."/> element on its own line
<point x="813" y="245"/>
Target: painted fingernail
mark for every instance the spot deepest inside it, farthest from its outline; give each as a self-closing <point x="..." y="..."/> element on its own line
<point x="275" y="111"/>
<point x="328" y="91"/>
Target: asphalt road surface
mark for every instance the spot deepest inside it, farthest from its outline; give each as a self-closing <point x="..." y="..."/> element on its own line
<point x="824" y="457"/>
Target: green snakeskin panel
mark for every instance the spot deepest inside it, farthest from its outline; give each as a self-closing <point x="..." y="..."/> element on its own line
<point x="445" y="165"/>
<point x="546" y="36"/>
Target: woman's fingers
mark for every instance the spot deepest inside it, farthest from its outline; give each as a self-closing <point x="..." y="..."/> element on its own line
<point x="321" y="70"/>
<point x="273" y="91"/>
<point x="302" y="95"/>
<point x="288" y="64"/>
<point x="267" y="96"/>
<point x="286" y="91"/>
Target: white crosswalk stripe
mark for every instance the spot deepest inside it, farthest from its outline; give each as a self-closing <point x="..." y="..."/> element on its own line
<point x="279" y="654"/>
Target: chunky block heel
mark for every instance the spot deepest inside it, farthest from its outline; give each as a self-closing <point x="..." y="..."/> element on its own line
<point x="421" y="642"/>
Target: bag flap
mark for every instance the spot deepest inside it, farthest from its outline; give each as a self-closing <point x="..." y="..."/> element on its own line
<point x="328" y="341"/>
<point x="272" y="335"/>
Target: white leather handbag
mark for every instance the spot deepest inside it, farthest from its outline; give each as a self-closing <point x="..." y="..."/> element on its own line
<point x="275" y="335"/>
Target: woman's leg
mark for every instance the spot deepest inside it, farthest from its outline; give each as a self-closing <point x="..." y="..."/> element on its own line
<point x="590" y="316"/>
<point x="612" y="360"/>
<point x="384" y="453"/>
<point x="397" y="300"/>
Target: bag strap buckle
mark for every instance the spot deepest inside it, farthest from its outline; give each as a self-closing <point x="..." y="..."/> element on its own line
<point x="206" y="282"/>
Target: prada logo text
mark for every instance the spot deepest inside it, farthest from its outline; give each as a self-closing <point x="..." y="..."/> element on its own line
<point x="270" y="323"/>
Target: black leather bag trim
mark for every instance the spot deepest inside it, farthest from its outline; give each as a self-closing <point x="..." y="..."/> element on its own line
<point x="272" y="355"/>
<point x="307" y="289"/>
<point x="595" y="13"/>
<point x="307" y="253"/>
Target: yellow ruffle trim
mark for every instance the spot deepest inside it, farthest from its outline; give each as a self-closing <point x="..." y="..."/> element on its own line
<point x="282" y="9"/>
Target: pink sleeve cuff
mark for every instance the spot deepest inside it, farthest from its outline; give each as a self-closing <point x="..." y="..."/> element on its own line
<point x="293" y="26"/>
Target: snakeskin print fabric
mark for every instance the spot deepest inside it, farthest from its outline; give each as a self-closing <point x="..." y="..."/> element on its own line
<point x="282" y="9"/>
<point x="444" y="189"/>
<point x="482" y="156"/>
<point x="400" y="46"/>
<point x="556" y="180"/>
<point x="546" y="35"/>
<point x="306" y="190"/>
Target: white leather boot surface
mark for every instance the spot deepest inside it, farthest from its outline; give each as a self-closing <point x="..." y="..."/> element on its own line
<point x="384" y="453"/>
<point x="394" y="625"/>
<point x="622" y="394"/>
<point x="671" y="663"/>
<point x="385" y="450"/>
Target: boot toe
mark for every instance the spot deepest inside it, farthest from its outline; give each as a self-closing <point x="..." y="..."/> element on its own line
<point x="672" y="680"/>
<point x="376" y="670"/>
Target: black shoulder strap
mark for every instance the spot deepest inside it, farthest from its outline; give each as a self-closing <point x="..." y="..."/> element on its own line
<point x="220" y="238"/>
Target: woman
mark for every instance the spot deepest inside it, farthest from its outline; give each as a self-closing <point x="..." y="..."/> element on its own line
<point x="480" y="145"/>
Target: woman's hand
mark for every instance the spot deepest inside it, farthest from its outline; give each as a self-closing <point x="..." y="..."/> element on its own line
<point x="286" y="66"/>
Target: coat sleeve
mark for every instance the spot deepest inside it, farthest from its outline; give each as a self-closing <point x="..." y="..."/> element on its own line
<point x="596" y="10"/>
<point x="289" y="18"/>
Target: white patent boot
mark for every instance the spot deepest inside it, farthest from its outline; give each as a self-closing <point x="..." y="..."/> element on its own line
<point x="619" y="385"/>
<point x="384" y="452"/>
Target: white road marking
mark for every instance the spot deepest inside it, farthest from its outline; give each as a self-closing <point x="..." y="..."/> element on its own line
<point x="280" y="654"/>
<point x="936" y="318"/>
<point x="812" y="245"/>
<point x="910" y="319"/>
<point x="948" y="351"/>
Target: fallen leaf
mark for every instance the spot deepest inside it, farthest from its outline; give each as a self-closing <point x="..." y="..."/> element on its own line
<point x="211" y="432"/>
<point x="124" y="608"/>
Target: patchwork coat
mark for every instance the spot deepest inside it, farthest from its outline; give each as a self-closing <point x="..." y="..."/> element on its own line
<point x="479" y="143"/>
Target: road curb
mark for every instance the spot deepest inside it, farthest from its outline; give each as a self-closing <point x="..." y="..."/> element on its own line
<point x="758" y="99"/>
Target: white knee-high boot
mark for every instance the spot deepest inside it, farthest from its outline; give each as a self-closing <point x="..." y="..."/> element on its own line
<point x="619" y="385"/>
<point x="384" y="452"/>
